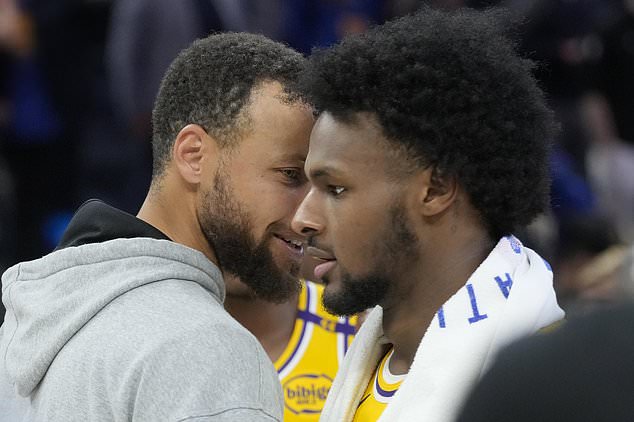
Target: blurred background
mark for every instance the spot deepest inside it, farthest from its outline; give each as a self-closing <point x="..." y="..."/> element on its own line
<point x="78" y="80"/>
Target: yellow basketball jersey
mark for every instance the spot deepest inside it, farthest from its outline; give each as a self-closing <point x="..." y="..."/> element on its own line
<point x="310" y="361"/>
<point x="380" y="390"/>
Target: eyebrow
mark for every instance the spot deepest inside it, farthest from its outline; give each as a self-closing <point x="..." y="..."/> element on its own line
<point x="292" y="157"/>
<point x="321" y="172"/>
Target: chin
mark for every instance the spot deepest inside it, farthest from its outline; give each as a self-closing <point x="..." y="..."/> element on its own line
<point x="333" y="279"/>
<point x="347" y="295"/>
<point x="340" y="304"/>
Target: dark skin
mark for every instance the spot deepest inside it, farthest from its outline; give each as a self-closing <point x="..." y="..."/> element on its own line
<point x="357" y="177"/>
<point x="271" y="323"/>
<point x="405" y="321"/>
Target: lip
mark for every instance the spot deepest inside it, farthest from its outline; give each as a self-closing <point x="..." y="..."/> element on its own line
<point x="319" y="253"/>
<point x="328" y="261"/>
<point x="323" y="268"/>
<point x="294" y="251"/>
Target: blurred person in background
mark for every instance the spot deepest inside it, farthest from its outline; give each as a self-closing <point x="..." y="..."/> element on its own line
<point x="563" y="38"/>
<point x="14" y="40"/>
<point x="617" y="68"/>
<point x="7" y="222"/>
<point x="606" y="277"/>
<point x="125" y="319"/>
<point x="144" y="37"/>
<point x="321" y="23"/>
<point x="32" y="141"/>
<point x="592" y="237"/>
<point x="397" y="8"/>
<point x="430" y="149"/>
<point x="583" y="55"/>
<point x="609" y="165"/>
<point x="581" y="240"/>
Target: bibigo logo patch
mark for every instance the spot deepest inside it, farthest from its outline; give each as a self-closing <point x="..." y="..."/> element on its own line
<point x="306" y="393"/>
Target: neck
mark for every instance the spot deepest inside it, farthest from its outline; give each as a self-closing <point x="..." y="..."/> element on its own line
<point x="271" y="323"/>
<point x="410" y="310"/>
<point x="172" y="210"/>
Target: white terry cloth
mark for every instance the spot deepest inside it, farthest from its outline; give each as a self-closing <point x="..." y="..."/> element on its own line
<point x="510" y="295"/>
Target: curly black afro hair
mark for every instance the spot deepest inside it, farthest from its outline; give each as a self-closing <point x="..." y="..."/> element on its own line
<point x="211" y="82"/>
<point x="450" y="89"/>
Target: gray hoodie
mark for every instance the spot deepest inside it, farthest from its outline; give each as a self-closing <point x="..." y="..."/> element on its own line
<point x="128" y="329"/>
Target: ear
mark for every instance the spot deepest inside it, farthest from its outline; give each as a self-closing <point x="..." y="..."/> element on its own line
<point x="193" y="149"/>
<point x="437" y="193"/>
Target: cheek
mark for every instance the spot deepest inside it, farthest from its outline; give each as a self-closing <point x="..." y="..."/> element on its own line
<point x="274" y="205"/>
<point x="355" y="237"/>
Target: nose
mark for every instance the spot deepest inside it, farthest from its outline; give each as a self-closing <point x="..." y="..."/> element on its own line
<point x="307" y="220"/>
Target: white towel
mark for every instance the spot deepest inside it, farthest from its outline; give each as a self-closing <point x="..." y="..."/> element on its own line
<point x="510" y="295"/>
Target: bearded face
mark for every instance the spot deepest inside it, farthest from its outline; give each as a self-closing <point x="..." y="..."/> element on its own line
<point x="229" y="228"/>
<point x="394" y="244"/>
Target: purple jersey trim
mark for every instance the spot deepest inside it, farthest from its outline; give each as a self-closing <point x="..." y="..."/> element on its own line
<point x="301" y="336"/>
<point x="340" y="327"/>
<point x="382" y="392"/>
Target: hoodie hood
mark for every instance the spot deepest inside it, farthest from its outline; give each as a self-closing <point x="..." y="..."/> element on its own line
<point x="50" y="299"/>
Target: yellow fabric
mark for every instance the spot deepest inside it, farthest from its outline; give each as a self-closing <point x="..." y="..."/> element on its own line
<point x="552" y="327"/>
<point x="311" y="359"/>
<point x="373" y="402"/>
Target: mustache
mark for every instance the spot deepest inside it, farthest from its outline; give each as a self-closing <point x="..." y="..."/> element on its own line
<point x="311" y="241"/>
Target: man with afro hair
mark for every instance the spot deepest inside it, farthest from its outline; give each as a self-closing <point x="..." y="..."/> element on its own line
<point x="430" y="149"/>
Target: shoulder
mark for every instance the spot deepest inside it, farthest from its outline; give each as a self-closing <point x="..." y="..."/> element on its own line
<point x="178" y="324"/>
<point x="215" y="366"/>
<point x="194" y="323"/>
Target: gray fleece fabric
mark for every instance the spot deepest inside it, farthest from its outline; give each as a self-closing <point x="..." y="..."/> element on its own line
<point x="128" y="330"/>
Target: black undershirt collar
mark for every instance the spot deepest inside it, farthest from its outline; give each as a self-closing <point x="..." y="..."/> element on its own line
<point x="95" y="221"/>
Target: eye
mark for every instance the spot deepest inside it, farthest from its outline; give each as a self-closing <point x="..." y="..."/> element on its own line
<point x="292" y="175"/>
<point x="336" y="190"/>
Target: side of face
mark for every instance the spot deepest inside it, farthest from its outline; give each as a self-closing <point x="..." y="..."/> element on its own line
<point x="247" y="203"/>
<point x="356" y="213"/>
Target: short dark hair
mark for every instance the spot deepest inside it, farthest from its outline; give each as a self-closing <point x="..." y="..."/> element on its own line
<point x="211" y="82"/>
<point x="450" y="89"/>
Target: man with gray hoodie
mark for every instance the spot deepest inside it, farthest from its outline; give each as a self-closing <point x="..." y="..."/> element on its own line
<point x="124" y="320"/>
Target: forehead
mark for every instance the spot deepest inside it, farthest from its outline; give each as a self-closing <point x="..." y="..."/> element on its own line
<point x="354" y="146"/>
<point x="277" y="128"/>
